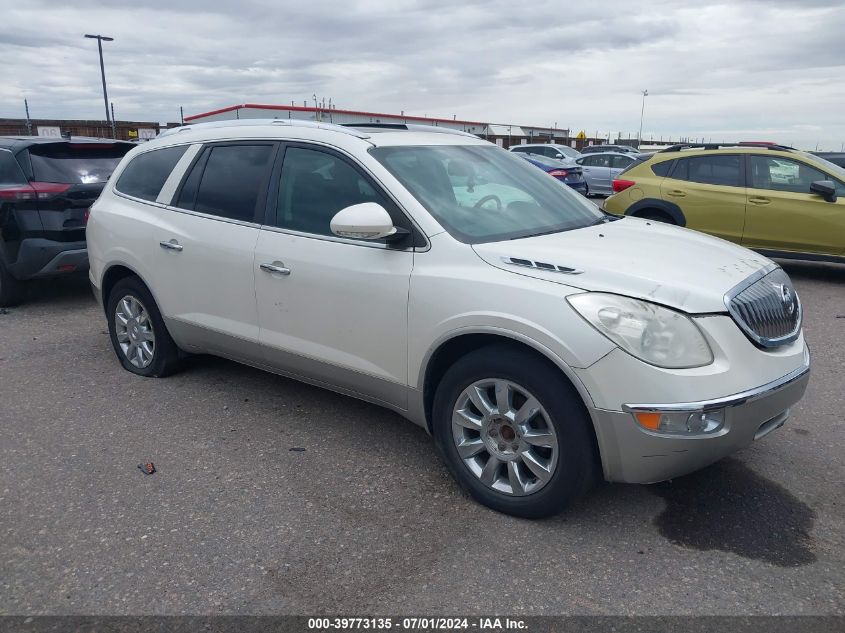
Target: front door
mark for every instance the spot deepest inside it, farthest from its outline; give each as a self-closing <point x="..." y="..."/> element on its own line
<point x="782" y="213"/>
<point x="331" y="310"/>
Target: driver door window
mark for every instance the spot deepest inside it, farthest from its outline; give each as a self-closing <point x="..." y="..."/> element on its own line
<point x="784" y="174"/>
<point x="314" y="186"/>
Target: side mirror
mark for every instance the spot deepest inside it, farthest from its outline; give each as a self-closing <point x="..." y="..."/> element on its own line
<point x="825" y="188"/>
<point x="365" y="221"/>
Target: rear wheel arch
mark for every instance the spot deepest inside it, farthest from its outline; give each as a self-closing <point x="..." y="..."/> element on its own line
<point x="114" y="274"/>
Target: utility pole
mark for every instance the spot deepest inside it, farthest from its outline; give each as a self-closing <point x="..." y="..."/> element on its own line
<point x="113" y="122"/>
<point x="642" y="112"/>
<point x="100" y="39"/>
<point x="181" y="115"/>
<point x="28" y="122"/>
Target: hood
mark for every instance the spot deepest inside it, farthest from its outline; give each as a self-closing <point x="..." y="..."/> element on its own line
<point x="676" y="267"/>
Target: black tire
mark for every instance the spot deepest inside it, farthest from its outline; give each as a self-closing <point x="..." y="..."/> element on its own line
<point x="576" y="465"/>
<point x="12" y="291"/>
<point x="165" y="356"/>
<point x="656" y="216"/>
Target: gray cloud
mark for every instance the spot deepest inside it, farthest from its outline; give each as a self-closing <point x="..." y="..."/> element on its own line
<point x="720" y="70"/>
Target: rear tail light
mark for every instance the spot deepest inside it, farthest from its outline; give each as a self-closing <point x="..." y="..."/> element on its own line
<point x="620" y="184"/>
<point x="559" y="173"/>
<point x="33" y="191"/>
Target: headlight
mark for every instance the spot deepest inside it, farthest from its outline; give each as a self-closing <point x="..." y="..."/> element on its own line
<point x="650" y="332"/>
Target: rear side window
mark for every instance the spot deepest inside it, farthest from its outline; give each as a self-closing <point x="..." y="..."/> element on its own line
<point x="228" y="181"/>
<point x="712" y="170"/>
<point x="74" y="163"/>
<point x="10" y="171"/>
<point x="145" y="175"/>
<point x="662" y="169"/>
<point x="524" y="149"/>
<point x="620" y="162"/>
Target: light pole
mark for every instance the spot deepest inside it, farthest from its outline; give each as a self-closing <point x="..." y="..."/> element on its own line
<point x="100" y="39"/>
<point x="642" y="111"/>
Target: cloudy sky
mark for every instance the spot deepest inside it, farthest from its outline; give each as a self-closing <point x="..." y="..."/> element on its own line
<point x="749" y="70"/>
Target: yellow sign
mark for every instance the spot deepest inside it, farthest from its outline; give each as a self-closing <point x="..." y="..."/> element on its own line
<point x="581" y="135"/>
<point x="133" y="134"/>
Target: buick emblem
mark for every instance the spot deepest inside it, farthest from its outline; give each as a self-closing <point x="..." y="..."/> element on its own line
<point x="788" y="299"/>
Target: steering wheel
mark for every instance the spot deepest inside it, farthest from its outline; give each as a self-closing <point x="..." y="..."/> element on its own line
<point x="487" y="198"/>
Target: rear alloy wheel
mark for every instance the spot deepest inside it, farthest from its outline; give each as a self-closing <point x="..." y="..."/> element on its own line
<point x="513" y="431"/>
<point x="137" y="331"/>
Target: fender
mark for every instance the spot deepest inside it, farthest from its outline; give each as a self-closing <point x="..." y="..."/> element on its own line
<point x="669" y="208"/>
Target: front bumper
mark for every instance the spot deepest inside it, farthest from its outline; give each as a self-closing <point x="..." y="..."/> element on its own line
<point x="633" y="454"/>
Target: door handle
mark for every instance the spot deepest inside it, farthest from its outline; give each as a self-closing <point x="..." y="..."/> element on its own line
<point x="276" y="269"/>
<point x="758" y="200"/>
<point x="676" y="193"/>
<point x="172" y="245"/>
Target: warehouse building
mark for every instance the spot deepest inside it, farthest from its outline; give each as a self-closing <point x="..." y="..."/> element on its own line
<point x="503" y="135"/>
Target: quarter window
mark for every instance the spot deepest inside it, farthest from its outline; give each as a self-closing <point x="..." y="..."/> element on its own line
<point x="228" y="181"/>
<point x="783" y="174"/>
<point x="661" y="169"/>
<point x="10" y="171"/>
<point x="146" y="174"/>
<point x="314" y="186"/>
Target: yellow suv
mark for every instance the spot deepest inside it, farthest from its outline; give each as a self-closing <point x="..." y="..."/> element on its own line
<point x="774" y="199"/>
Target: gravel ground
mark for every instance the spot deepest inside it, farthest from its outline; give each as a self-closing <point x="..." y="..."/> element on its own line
<point x="365" y="519"/>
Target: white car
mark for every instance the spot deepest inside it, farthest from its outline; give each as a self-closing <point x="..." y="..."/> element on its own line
<point x="540" y="341"/>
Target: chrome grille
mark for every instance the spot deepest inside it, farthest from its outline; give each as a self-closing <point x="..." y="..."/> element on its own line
<point x="766" y="307"/>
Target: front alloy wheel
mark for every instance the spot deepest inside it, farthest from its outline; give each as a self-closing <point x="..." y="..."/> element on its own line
<point x="134" y="330"/>
<point x="504" y="437"/>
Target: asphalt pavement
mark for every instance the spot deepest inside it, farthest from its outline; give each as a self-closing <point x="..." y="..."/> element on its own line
<point x="272" y="496"/>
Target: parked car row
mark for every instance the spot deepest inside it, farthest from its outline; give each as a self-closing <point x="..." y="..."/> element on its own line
<point x="542" y="342"/>
<point x="590" y="171"/>
<point x="774" y="199"/>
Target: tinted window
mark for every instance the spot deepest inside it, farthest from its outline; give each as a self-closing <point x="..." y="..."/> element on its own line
<point x="783" y="174"/>
<point x="523" y="149"/>
<point x="10" y="171"/>
<point x="715" y="170"/>
<point x="76" y="162"/>
<point x="231" y="181"/>
<point x="314" y="186"/>
<point x="620" y="162"/>
<point x="144" y="176"/>
<point x="599" y="160"/>
<point x="661" y="169"/>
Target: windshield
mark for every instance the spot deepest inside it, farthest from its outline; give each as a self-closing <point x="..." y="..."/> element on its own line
<point x="833" y="168"/>
<point x="568" y="151"/>
<point x="485" y="194"/>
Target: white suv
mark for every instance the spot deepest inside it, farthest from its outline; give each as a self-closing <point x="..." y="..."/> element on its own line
<point x="540" y="341"/>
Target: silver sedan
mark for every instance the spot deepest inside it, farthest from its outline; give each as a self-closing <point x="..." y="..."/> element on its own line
<point x="601" y="168"/>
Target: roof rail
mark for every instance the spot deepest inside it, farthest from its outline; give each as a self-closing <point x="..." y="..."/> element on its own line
<point x="409" y="127"/>
<point x="680" y="146"/>
<point x="254" y="122"/>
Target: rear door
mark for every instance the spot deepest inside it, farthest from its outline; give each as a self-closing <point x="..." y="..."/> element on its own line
<point x="617" y="165"/>
<point x="597" y="172"/>
<point x="782" y="214"/>
<point x="710" y="191"/>
<point x="202" y="248"/>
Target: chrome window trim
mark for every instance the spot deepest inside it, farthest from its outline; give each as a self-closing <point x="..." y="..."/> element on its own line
<point x="168" y="189"/>
<point x="729" y="401"/>
<point x="737" y="318"/>
<point x="341" y="240"/>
